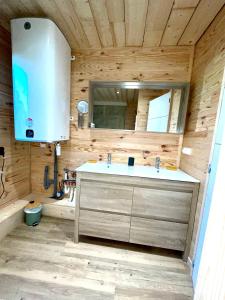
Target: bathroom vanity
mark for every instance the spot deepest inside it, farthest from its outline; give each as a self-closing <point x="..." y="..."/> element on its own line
<point x="136" y="204"/>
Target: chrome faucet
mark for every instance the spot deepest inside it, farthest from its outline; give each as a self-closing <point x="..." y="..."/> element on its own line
<point x="109" y="159"/>
<point x="157" y="163"/>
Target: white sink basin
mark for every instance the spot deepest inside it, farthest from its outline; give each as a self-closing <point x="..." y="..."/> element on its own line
<point x="137" y="171"/>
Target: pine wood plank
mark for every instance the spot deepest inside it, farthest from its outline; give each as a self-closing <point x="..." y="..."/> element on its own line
<point x="206" y="82"/>
<point x="71" y="20"/>
<point x="185" y="3"/>
<point x="155" y="25"/>
<point x="135" y="18"/>
<point x="16" y="176"/>
<point x="148" y="64"/>
<point x="206" y="11"/>
<point x="83" y="11"/>
<point x="38" y="263"/>
<point x="99" y="11"/>
<point x="50" y="9"/>
<point x="11" y="216"/>
<point x="118" y="23"/>
<point x="115" y="9"/>
<point x="177" y="22"/>
<point x="146" y="294"/>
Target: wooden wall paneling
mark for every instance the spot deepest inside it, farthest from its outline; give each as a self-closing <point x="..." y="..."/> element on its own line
<point x="142" y="111"/>
<point x="131" y="111"/>
<point x="152" y="64"/>
<point x="101" y="23"/>
<point x="155" y="26"/>
<point x="43" y="157"/>
<point x="135" y="18"/>
<point x="51" y="10"/>
<point x="177" y="22"/>
<point x="16" y="175"/>
<point x="95" y="144"/>
<point x="208" y="68"/>
<point x="19" y="10"/>
<point x="11" y="216"/>
<point x="83" y="11"/>
<point x="174" y="110"/>
<point x="202" y="17"/>
<point x="148" y="64"/>
<point x="70" y="18"/>
<point x="99" y="11"/>
<point x="11" y="9"/>
<point x="32" y="7"/>
<point x="115" y="9"/>
<point x="8" y="14"/>
<point x="185" y="3"/>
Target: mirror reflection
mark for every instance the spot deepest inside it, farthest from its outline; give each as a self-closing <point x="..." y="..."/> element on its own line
<point x="154" y="109"/>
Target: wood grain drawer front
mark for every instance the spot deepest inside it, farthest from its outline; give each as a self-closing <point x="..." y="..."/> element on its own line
<point x="106" y="197"/>
<point x="161" y="204"/>
<point x="104" y="225"/>
<point x="157" y="233"/>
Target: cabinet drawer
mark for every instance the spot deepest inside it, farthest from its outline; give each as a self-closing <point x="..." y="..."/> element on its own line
<point x="104" y="225"/>
<point x="157" y="233"/>
<point x="161" y="204"/>
<point x="106" y="197"/>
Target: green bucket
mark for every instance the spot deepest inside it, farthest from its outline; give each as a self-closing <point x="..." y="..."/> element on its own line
<point x="33" y="215"/>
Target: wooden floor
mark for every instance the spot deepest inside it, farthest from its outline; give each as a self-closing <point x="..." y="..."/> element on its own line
<point x="43" y="263"/>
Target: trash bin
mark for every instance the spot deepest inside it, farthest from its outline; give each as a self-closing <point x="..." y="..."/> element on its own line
<point x="33" y="213"/>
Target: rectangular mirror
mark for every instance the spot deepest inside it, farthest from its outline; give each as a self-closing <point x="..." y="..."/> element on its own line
<point x="141" y="106"/>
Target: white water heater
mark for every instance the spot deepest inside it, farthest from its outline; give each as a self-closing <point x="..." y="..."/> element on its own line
<point x="41" y="80"/>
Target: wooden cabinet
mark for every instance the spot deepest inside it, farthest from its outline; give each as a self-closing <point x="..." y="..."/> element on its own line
<point x="104" y="225"/>
<point x="145" y="211"/>
<point x="162" y="204"/>
<point x="106" y="197"/>
<point x="158" y="233"/>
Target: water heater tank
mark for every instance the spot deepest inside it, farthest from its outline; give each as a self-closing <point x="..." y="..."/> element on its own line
<point x="41" y="80"/>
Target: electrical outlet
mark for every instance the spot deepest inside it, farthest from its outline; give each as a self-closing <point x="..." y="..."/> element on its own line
<point x="2" y="151"/>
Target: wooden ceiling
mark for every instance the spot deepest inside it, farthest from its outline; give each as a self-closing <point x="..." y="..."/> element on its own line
<point x="120" y="23"/>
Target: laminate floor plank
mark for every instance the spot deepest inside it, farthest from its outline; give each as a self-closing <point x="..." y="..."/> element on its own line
<point x="43" y="263"/>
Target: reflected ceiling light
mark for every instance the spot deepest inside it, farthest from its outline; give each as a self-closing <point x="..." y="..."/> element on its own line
<point x="133" y="85"/>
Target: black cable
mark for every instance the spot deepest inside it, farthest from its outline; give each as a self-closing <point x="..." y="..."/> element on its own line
<point x="3" y="186"/>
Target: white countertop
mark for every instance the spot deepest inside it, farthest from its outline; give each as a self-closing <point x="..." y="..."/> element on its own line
<point x="137" y="171"/>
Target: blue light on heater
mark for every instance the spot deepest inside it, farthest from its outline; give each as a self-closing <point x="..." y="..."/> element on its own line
<point x="21" y="100"/>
